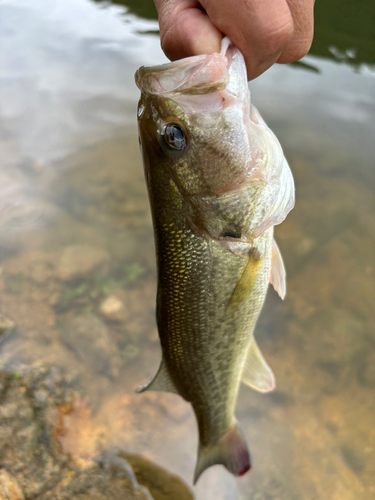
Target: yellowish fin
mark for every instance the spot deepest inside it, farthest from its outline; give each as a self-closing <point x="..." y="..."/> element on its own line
<point x="278" y="274"/>
<point x="162" y="382"/>
<point x="256" y="372"/>
<point x="231" y="451"/>
<point x="246" y="282"/>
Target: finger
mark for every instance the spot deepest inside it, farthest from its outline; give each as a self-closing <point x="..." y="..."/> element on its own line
<point x="298" y="46"/>
<point x="186" y="30"/>
<point x="261" y="29"/>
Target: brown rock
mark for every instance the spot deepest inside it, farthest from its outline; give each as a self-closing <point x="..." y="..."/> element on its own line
<point x="78" y="261"/>
<point x="40" y="272"/>
<point x="113" y="308"/>
<point x="32" y="460"/>
<point x="88" y="337"/>
<point x="79" y="436"/>
<point x="366" y="371"/>
<point x="5" y="324"/>
<point x="9" y="488"/>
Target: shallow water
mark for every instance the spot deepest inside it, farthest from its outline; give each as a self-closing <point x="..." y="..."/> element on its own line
<point x="77" y="266"/>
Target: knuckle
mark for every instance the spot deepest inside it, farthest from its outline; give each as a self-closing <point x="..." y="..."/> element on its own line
<point x="296" y="50"/>
<point x="165" y="41"/>
<point x="172" y="24"/>
<point x="277" y="35"/>
<point x="302" y="48"/>
<point x="166" y="17"/>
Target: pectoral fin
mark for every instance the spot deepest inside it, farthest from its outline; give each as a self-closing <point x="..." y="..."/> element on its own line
<point x="246" y="282"/>
<point x="256" y="372"/>
<point x="162" y="381"/>
<point x="278" y="274"/>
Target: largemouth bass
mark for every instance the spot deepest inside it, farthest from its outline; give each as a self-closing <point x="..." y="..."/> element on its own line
<point x="218" y="182"/>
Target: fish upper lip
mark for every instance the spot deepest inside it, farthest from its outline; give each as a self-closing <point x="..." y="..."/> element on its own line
<point x="192" y="76"/>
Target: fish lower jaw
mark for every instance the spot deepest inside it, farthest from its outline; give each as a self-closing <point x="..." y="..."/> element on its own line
<point x="237" y="247"/>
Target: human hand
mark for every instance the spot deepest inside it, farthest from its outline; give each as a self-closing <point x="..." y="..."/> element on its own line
<point x="265" y="31"/>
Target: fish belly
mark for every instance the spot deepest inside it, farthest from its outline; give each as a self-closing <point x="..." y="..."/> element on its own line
<point x="208" y="302"/>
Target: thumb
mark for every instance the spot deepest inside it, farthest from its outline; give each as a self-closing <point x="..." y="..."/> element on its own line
<point x="185" y="29"/>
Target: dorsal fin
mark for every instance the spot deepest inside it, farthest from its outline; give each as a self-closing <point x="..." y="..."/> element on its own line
<point x="278" y="274"/>
<point x="256" y="373"/>
<point x="162" y="381"/>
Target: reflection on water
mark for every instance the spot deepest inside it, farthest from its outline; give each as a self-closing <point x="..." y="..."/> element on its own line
<point x="77" y="269"/>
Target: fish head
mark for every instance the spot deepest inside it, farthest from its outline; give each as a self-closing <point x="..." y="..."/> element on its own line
<point x="196" y="122"/>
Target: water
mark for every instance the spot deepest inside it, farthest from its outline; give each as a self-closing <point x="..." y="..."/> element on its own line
<point x="77" y="267"/>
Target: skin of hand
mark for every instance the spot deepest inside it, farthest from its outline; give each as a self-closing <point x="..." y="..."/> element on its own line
<point x="265" y="31"/>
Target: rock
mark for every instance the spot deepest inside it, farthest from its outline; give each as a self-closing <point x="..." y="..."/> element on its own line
<point x="103" y="481"/>
<point x="35" y="266"/>
<point x="5" y="324"/>
<point x="113" y="309"/>
<point x="89" y="339"/>
<point x="366" y="369"/>
<point x="175" y="407"/>
<point x="40" y="272"/>
<point x="9" y="488"/>
<point x="27" y="449"/>
<point x="78" y="261"/>
<point x="32" y="461"/>
<point x="138" y="314"/>
<point x="131" y="351"/>
<point x="81" y="438"/>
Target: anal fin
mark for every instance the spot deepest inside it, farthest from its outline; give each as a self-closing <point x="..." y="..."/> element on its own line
<point x="162" y="381"/>
<point x="256" y="373"/>
<point x="278" y="274"/>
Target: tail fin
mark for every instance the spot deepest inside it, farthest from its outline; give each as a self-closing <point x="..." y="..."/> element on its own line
<point x="231" y="451"/>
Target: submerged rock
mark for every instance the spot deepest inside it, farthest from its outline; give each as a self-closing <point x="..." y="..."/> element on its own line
<point x="34" y="403"/>
<point x="9" y="488"/>
<point x="366" y="369"/>
<point x="78" y="261"/>
<point x="5" y="324"/>
<point x="32" y="462"/>
<point x="89" y="339"/>
<point x="113" y="309"/>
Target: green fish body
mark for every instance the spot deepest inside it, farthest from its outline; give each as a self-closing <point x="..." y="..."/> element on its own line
<point x="218" y="182"/>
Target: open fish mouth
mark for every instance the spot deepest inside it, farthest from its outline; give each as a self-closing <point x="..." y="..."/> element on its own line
<point x="198" y="76"/>
<point x="194" y="75"/>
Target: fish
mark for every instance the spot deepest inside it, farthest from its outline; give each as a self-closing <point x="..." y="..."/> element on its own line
<point x="218" y="182"/>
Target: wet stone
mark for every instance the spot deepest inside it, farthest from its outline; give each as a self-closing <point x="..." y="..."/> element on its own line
<point x="352" y="458"/>
<point x="78" y="261"/>
<point x="113" y="309"/>
<point x="366" y="370"/>
<point x="5" y="324"/>
<point x="87" y="336"/>
<point x="14" y="283"/>
<point x="9" y="488"/>
<point x="40" y="272"/>
<point x="32" y="463"/>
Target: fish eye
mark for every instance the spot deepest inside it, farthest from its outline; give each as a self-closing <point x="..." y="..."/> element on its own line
<point x="174" y="137"/>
